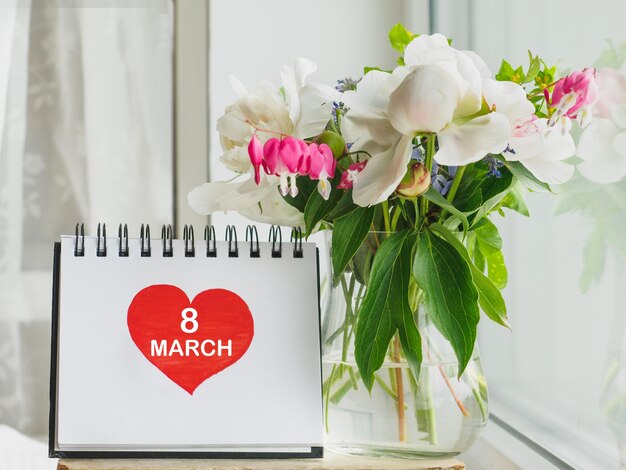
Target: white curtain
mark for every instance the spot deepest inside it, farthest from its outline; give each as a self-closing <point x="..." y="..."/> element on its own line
<point x="85" y="135"/>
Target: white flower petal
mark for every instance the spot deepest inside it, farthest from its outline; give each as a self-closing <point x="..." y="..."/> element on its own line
<point x="222" y="196"/>
<point x="382" y="174"/>
<point x="261" y="203"/>
<point x="425" y="101"/>
<point x="525" y="147"/>
<point x="316" y="104"/>
<point x="291" y="92"/>
<point x="236" y="159"/>
<point x="469" y="142"/>
<point x="373" y="90"/>
<point x="413" y="52"/>
<point x="509" y="99"/>
<point x="366" y="124"/>
<point x="372" y="133"/>
<point x="596" y="141"/>
<point x="557" y="146"/>
<point x="469" y="76"/>
<point x="549" y="171"/>
<point x="302" y="69"/>
<point x="309" y="104"/>
<point x="604" y="171"/>
<point x="434" y="50"/>
<point x="233" y="127"/>
<point x="479" y="63"/>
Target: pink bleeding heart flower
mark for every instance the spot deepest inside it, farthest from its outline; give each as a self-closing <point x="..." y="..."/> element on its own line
<point x="283" y="159"/>
<point x="348" y="177"/>
<point x="573" y="97"/>
<point x="322" y="165"/>
<point x="255" y="152"/>
<point x="305" y="158"/>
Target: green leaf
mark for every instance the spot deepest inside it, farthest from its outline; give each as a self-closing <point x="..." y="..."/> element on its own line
<point x="410" y="338"/>
<point x="385" y="302"/>
<point x="514" y="200"/>
<point x="493" y="190"/>
<point x="533" y="67"/>
<point x="489" y="297"/>
<point x="349" y="233"/>
<point x="518" y="75"/>
<point x="399" y="37"/>
<point x="487" y="233"/>
<point x="489" y="244"/>
<point x="433" y="196"/>
<point x="479" y="260"/>
<point x="362" y="261"/>
<point x="317" y="208"/>
<point x="506" y="72"/>
<point x="526" y="177"/>
<point x="366" y="70"/>
<point x="450" y="295"/>
<point x="496" y="269"/>
<point x="343" y="207"/>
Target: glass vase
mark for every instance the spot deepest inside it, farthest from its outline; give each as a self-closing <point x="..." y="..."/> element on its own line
<point x="435" y="415"/>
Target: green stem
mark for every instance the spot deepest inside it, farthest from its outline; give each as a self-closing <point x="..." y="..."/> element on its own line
<point x="396" y="215"/>
<point x="385" y="207"/>
<point x="347" y="293"/>
<point x="428" y="163"/>
<point x="327" y="393"/>
<point x="341" y="391"/>
<point x="430" y="410"/>
<point x="338" y="115"/>
<point x="455" y="186"/>
<point x="385" y="387"/>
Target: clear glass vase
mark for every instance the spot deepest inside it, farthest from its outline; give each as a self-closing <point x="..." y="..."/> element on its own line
<point x="433" y="416"/>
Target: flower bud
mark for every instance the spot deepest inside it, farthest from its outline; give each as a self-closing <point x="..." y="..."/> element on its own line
<point x="336" y="143"/>
<point x="415" y="182"/>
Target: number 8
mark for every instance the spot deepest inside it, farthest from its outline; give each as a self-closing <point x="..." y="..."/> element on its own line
<point x="189" y="319"/>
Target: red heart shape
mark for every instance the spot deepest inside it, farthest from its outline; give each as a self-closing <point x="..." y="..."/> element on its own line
<point x="190" y="341"/>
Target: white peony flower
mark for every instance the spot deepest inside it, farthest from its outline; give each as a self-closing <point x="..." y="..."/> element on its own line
<point x="265" y="109"/>
<point x="302" y="112"/>
<point x="439" y="90"/>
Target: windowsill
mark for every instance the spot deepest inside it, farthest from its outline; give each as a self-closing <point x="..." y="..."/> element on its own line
<point x="498" y="449"/>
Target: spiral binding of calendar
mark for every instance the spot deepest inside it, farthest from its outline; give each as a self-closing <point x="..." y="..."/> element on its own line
<point x="252" y="237"/>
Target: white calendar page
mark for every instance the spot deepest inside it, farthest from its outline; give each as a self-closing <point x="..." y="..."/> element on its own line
<point x="142" y="365"/>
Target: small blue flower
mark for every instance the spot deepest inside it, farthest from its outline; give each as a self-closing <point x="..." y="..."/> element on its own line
<point x="416" y="154"/>
<point x="442" y="182"/>
<point x="509" y="149"/>
<point x="346" y="84"/>
<point x="494" y="166"/>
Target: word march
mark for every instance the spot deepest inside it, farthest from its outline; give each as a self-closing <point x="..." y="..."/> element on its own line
<point x="207" y="348"/>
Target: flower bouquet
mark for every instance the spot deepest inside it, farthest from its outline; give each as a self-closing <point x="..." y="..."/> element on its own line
<point x="405" y="168"/>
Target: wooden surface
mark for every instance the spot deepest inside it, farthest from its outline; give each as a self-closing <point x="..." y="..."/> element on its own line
<point x="330" y="462"/>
